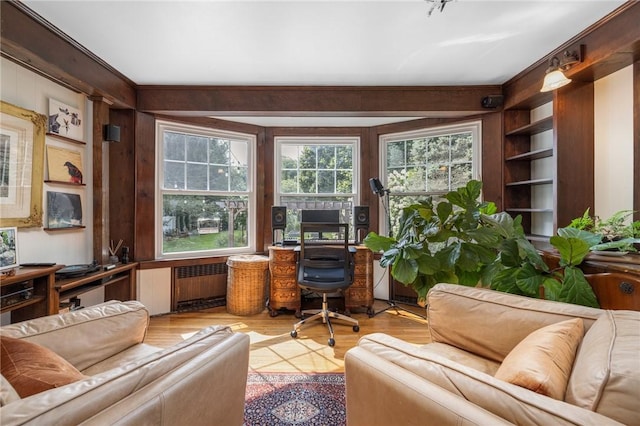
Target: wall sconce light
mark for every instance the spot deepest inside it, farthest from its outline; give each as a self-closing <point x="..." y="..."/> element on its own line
<point x="555" y="77"/>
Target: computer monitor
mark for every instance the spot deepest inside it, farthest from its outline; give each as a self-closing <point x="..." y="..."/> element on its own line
<point x="321" y="216"/>
<point x="325" y="216"/>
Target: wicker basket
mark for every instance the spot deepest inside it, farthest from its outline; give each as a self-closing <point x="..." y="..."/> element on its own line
<point x="246" y="284"/>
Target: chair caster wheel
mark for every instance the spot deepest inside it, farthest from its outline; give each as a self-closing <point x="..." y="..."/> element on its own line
<point x="294" y="334"/>
<point x="356" y="328"/>
<point x="332" y="342"/>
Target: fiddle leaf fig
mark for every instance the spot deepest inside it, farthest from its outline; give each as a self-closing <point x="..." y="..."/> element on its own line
<point x="576" y="289"/>
<point x="572" y="250"/>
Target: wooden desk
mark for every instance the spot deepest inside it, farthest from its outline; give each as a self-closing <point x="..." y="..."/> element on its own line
<point x="119" y="284"/>
<point x="284" y="291"/>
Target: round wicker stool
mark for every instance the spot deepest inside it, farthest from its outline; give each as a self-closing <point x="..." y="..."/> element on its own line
<point x="246" y="284"/>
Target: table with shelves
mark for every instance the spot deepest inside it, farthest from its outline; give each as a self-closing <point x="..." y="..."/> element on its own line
<point x="119" y="284"/>
<point x="29" y="292"/>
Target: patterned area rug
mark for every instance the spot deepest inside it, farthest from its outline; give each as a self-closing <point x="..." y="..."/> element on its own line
<point x="295" y="399"/>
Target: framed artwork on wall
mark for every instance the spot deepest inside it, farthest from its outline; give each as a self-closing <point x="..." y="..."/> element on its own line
<point x="64" y="210"/>
<point x="22" y="134"/>
<point x="64" y="165"/>
<point x="8" y="248"/>
<point x="65" y="120"/>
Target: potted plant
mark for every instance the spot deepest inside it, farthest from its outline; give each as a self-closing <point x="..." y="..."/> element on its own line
<point x="617" y="232"/>
<point x="459" y="239"/>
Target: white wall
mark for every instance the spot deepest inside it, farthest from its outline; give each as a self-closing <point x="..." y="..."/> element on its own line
<point x="613" y="174"/>
<point x="23" y="88"/>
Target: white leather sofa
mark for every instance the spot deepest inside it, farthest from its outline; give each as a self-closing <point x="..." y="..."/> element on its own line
<point x="200" y="381"/>
<point x="452" y="381"/>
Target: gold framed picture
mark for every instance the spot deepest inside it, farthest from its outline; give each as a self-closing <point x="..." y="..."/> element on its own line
<point x="22" y="134"/>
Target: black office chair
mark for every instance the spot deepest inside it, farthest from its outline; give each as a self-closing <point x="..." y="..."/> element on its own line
<point x="324" y="267"/>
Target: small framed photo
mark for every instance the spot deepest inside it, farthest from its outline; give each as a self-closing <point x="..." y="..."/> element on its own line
<point x="8" y="248"/>
<point x="65" y="120"/>
<point x="65" y="165"/>
<point x="63" y="210"/>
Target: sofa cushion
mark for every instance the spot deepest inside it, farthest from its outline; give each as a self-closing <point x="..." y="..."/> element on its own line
<point x="7" y="393"/>
<point x="32" y="368"/>
<point x="542" y="361"/>
<point x="606" y="373"/>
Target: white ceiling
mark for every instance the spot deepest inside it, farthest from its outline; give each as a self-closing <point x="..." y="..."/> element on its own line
<point x="304" y="42"/>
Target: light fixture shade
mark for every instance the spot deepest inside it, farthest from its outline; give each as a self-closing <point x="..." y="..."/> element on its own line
<point x="554" y="80"/>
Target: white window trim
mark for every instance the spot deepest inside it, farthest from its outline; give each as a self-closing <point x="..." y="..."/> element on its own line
<point x="279" y="141"/>
<point x="161" y="127"/>
<point x="475" y="127"/>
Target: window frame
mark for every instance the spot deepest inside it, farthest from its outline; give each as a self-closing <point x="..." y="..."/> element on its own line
<point x="250" y="192"/>
<point x="279" y="141"/>
<point x="475" y="127"/>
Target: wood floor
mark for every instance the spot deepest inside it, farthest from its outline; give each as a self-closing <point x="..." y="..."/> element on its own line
<point x="274" y="350"/>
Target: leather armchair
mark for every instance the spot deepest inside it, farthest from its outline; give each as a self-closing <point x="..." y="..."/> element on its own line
<point x="200" y="381"/>
<point x="451" y="380"/>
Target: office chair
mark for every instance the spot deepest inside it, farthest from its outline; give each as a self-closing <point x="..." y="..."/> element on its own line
<point x="324" y="267"/>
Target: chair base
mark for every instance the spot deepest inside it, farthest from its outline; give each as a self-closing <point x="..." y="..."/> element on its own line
<point x="325" y="315"/>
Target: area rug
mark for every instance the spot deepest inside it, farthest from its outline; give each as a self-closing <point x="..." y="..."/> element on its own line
<point x="295" y="399"/>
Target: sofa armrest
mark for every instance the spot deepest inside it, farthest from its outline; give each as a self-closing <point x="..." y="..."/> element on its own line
<point x="168" y="387"/>
<point x="468" y="317"/>
<point x="385" y="355"/>
<point x="379" y="392"/>
<point x="87" y="336"/>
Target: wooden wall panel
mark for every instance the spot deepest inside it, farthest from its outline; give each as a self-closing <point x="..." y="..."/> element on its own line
<point x="145" y="191"/>
<point x="122" y="181"/>
<point x="636" y="140"/>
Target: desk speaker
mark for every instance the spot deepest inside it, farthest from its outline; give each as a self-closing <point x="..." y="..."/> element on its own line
<point x="360" y="221"/>
<point x="278" y="217"/>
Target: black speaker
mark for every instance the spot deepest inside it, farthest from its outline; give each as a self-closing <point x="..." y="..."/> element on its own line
<point x="492" y="101"/>
<point x="360" y="220"/>
<point x="361" y="216"/>
<point x="278" y="217"/>
<point x="111" y="133"/>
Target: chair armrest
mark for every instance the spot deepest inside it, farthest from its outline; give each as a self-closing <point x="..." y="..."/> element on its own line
<point x="468" y="317"/>
<point x="379" y="392"/>
<point x="87" y="336"/>
<point x="168" y="387"/>
<point x="386" y="355"/>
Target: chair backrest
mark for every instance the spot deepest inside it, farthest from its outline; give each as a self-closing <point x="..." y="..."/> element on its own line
<point x="327" y="265"/>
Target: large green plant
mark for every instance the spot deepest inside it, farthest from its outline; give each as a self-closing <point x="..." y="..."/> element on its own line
<point x="616" y="232"/>
<point x="458" y="239"/>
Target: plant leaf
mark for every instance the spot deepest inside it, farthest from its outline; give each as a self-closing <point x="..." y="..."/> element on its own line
<point x="552" y="288"/>
<point x="405" y="270"/>
<point x="427" y="264"/>
<point x="505" y="280"/>
<point x="589" y="237"/>
<point x="572" y="250"/>
<point x="378" y="243"/>
<point x="575" y="289"/>
<point x="529" y="280"/>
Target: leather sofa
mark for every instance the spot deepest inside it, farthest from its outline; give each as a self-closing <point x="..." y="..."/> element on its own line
<point x="199" y="381"/>
<point x="474" y="331"/>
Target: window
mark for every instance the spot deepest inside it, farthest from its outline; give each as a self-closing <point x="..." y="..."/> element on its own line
<point x="316" y="174"/>
<point x="205" y="191"/>
<point x="427" y="162"/>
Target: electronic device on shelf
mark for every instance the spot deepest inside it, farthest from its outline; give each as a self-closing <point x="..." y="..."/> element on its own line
<point x="72" y="271"/>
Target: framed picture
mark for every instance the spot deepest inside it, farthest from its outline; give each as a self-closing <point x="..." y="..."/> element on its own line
<point x="21" y="164"/>
<point x="8" y="248"/>
<point x="65" y="120"/>
<point x="65" y="165"/>
<point x="63" y="210"/>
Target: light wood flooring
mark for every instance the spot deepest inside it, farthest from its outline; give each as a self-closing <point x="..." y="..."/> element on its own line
<point x="274" y="350"/>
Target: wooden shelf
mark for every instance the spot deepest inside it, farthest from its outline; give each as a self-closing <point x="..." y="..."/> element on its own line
<point x="66" y="139"/>
<point x="530" y="182"/>
<point x="533" y="128"/>
<point x="536" y="237"/>
<point x="532" y="155"/>
<point x="28" y="302"/>
<point x="60" y="182"/>
<point x="66" y="228"/>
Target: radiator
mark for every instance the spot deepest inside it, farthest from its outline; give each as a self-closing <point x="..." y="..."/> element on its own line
<point x="199" y="284"/>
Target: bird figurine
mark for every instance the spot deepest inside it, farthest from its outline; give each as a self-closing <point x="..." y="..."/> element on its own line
<point x="74" y="172"/>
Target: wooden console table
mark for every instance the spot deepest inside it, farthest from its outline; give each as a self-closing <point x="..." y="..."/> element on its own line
<point x="28" y="293"/>
<point x="284" y="291"/>
<point x="615" y="279"/>
<point x="119" y="283"/>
